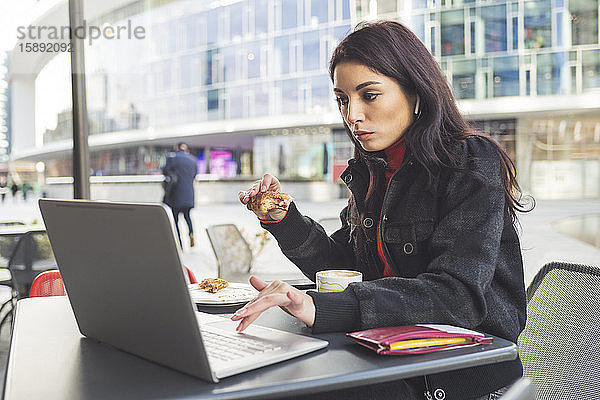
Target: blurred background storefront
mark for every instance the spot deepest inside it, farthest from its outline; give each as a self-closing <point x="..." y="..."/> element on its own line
<point x="245" y="83"/>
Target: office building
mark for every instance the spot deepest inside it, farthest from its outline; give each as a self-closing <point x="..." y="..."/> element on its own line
<point x="245" y="83"/>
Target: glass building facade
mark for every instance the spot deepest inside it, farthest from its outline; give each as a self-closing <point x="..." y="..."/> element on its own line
<point x="202" y="62"/>
<point x="4" y="108"/>
<point x="493" y="48"/>
<point x="245" y="82"/>
<point x="544" y="53"/>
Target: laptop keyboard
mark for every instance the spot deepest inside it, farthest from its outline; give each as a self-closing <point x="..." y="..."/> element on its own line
<point x="224" y="347"/>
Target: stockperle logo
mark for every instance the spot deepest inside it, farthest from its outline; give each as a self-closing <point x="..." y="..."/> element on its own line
<point x="125" y="31"/>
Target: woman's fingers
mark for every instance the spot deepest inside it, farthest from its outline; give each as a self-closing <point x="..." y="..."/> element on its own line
<point x="265" y="182"/>
<point x="254" y="189"/>
<point x="268" y="181"/>
<point x="294" y="297"/>
<point x="249" y="313"/>
<point x="244" y="195"/>
<point x="257" y="283"/>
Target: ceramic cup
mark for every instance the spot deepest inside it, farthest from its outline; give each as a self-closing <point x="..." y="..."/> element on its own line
<point x="336" y="280"/>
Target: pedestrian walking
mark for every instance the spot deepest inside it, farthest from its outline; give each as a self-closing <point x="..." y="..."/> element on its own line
<point x="3" y="187"/>
<point x="180" y="171"/>
<point x="14" y="189"/>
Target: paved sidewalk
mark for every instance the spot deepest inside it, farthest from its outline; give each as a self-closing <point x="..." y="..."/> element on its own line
<point x="540" y="242"/>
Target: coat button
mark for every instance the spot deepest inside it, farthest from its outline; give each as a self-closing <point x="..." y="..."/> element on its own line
<point x="348" y="178"/>
<point x="408" y="248"/>
<point x="368" y="222"/>
<point x="439" y="394"/>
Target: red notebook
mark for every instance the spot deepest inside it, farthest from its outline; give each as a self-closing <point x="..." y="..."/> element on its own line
<point x="417" y="339"/>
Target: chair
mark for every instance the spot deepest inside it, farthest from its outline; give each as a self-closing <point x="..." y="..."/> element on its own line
<point x="330" y="224"/>
<point x="559" y="346"/>
<point x="191" y="275"/>
<point x="48" y="283"/>
<point x="523" y="389"/>
<point x="8" y="241"/>
<point x="31" y="255"/>
<point x="234" y="256"/>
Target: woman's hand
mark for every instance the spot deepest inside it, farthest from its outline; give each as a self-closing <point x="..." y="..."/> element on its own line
<point x="276" y="293"/>
<point x="268" y="182"/>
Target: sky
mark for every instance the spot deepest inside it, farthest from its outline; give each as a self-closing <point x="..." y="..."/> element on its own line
<point x="14" y="13"/>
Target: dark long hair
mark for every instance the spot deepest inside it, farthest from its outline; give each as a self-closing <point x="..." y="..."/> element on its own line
<point x="391" y="49"/>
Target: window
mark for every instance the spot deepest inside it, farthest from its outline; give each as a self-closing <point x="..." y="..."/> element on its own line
<point x="236" y="102"/>
<point x="319" y="11"/>
<point x="282" y="55"/>
<point x="290" y="14"/>
<point x="253" y="59"/>
<point x="463" y="79"/>
<point x="345" y="9"/>
<point x="229" y="67"/>
<point x="289" y="96"/>
<point x="310" y="55"/>
<point x="453" y="33"/>
<point x="212" y="99"/>
<point x="584" y="21"/>
<point x="386" y="7"/>
<point x="236" y="14"/>
<point x="548" y="73"/>
<point x="212" y="26"/>
<point x="261" y="17"/>
<point x="506" y="76"/>
<point x="537" y="24"/>
<point x="322" y="97"/>
<point x="515" y="33"/>
<point x="494" y="20"/>
<point x="190" y="71"/>
<point x="260" y="105"/>
<point x="591" y="70"/>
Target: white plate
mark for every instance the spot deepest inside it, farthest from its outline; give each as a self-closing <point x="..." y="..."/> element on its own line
<point x="235" y="293"/>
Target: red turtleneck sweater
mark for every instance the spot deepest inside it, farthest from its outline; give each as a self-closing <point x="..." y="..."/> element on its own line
<point x="395" y="155"/>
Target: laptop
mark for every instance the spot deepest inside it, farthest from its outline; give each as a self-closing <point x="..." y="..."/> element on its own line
<point x="122" y="271"/>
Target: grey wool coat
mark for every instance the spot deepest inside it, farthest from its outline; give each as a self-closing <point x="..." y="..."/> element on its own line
<point x="452" y="247"/>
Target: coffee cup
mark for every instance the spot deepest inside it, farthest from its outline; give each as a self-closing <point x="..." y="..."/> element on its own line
<point x="336" y="280"/>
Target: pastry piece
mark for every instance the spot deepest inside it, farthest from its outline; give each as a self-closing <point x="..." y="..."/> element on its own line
<point x="270" y="200"/>
<point x="213" y="285"/>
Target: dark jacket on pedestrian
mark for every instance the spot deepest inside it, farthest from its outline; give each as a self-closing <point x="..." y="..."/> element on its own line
<point x="451" y="245"/>
<point x="183" y="167"/>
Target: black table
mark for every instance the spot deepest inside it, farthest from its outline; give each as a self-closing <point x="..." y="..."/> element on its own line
<point x="50" y="359"/>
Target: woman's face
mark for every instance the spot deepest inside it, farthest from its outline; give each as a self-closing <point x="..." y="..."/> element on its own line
<point x="374" y="106"/>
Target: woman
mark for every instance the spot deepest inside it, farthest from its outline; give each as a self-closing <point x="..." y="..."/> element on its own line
<point x="430" y="221"/>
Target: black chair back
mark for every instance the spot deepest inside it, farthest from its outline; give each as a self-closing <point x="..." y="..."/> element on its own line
<point x="32" y="255"/>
